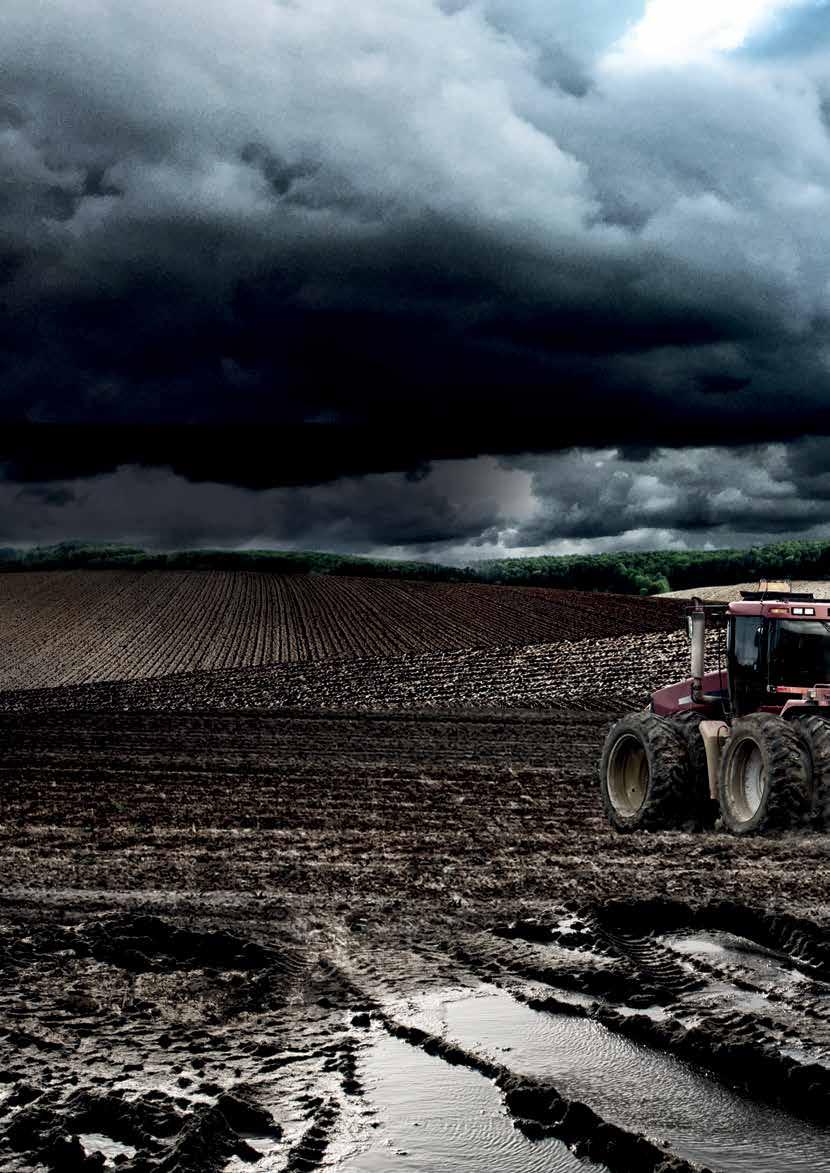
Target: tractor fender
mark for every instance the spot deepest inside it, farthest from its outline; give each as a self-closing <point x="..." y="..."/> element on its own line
<point x="714" y="734"/>
<point x="805" y="708"/>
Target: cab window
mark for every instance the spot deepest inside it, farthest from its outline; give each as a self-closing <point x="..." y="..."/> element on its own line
<point x="746" y="641"/>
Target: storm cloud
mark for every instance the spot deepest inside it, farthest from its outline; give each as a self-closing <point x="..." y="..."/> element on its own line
<point x="483" y="222"/>
<point x="282" y="245"/>
<point x="579" y="501"/>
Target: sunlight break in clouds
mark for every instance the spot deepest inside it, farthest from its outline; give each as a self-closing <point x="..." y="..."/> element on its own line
<point x="679" y="31"/>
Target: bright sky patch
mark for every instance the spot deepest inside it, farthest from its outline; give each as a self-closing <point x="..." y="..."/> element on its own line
<point x="680" y="31"/>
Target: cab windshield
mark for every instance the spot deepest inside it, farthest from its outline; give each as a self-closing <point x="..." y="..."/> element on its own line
<point x="800" y="652"/>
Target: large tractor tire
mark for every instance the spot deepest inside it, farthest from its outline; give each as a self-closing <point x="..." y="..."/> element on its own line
<point x="765" y="778"/>
<point x="700" y="806"/>
<point x="644" y="774"/>
<point x="815" y="733"/>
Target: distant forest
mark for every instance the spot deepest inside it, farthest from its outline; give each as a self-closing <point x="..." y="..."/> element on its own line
<point x="647" y="573"/>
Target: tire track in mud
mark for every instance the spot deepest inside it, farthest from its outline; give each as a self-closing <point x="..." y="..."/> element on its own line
<point x="539" y="1109"/>
<point x="774" y="1047"/>
<point x="734" y="1049"/>
<point x="193" y="1027"/>
<point x="639" y="1088"/>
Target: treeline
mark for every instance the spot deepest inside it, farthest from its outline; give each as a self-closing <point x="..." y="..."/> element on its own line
<point x="652" y="572"/>
<point x="656" y="571"/>
<point x="94" y="556"/>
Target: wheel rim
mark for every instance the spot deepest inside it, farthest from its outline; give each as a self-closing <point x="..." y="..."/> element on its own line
<point x="627" y="775"/>
<point x="748" y="781"/>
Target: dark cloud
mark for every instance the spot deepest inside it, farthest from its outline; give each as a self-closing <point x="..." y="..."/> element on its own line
<point x="444" y="229"/>
<point x="283" y="274"/>
<point x="255" y="457"/>
<point x="46" y="495"/>
<point x="455" y="503"/>
<point x="578" y="501"/>
<point x="721" y="384"/>
<point x="691" y="496"/>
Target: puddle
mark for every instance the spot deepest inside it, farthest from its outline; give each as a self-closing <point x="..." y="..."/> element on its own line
<point x="98" y="1142"/>
<point x="628" y="1084"/>
<point x="768" y="969"/>
<point x="435" y="1118"/>
<point x="655" y="1013"/>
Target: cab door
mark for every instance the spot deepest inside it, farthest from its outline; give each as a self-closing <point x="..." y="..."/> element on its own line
<point x="747" y="661"/>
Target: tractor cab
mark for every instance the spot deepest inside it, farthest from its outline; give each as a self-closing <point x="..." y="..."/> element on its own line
<point x="777" y="654"/>
<point x="775" y="658"/>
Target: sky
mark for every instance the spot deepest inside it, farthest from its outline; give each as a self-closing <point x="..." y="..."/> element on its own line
<point x="446" y="279"/>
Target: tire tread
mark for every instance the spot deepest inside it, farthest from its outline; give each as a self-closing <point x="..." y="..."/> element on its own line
<point x="788" y="774"/>
<point x="665" y="803"/>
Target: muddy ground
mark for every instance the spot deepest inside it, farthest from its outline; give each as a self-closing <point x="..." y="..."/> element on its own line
<point x="291" y="940"/>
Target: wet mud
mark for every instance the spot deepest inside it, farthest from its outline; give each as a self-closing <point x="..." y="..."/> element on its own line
<point x="299" y="940"/>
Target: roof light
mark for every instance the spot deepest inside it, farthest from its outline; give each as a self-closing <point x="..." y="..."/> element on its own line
<point x="779" y="610"/>
<point x="804" y="610"/>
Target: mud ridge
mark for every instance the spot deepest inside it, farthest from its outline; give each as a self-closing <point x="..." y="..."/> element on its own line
<point x="618" y="983"/>
<point x="310" y="1149"/>
<point x="45" y="1130"/>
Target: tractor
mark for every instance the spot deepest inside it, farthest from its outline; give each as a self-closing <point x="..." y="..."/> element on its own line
<point x="749" y="742"/>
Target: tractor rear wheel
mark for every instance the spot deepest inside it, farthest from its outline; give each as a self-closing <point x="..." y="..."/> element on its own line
<point x="815" y="732"/>
<point x="644" y="774"/>
<point x="764" y="781"/>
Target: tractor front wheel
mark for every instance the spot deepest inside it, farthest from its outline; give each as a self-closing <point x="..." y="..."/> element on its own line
<point x="765" y="774"/>
<point x="644" y="774"/>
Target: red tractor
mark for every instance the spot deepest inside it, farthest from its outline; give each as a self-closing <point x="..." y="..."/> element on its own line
<point x="752" y="738"/>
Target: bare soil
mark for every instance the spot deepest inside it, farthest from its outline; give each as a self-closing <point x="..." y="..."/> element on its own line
<point x="595" y="675"/>
<point x="270" y="818"/>
<point x="207" y="918"/>
<point x="77" y="626"/>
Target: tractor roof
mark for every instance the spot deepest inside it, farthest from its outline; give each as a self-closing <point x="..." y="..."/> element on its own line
<point x="770" y="602"/>
<point x="786" y="595"/>
<point x="792" y="607"/>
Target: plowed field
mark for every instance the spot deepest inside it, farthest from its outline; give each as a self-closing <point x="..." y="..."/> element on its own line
<point x="610" y="675"/>
<point x="364" y="913"/>
<point x="64" y="627"/>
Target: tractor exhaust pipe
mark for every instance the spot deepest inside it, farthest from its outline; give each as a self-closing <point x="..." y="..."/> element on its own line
<point x="697" y="635"/>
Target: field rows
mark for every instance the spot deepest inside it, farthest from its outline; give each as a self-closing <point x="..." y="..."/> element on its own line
<point x="71" y="627"/>
<point x="607" y="675"/>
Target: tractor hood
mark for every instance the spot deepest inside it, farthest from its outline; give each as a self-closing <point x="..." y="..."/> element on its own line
<point x="674" y="698"/>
